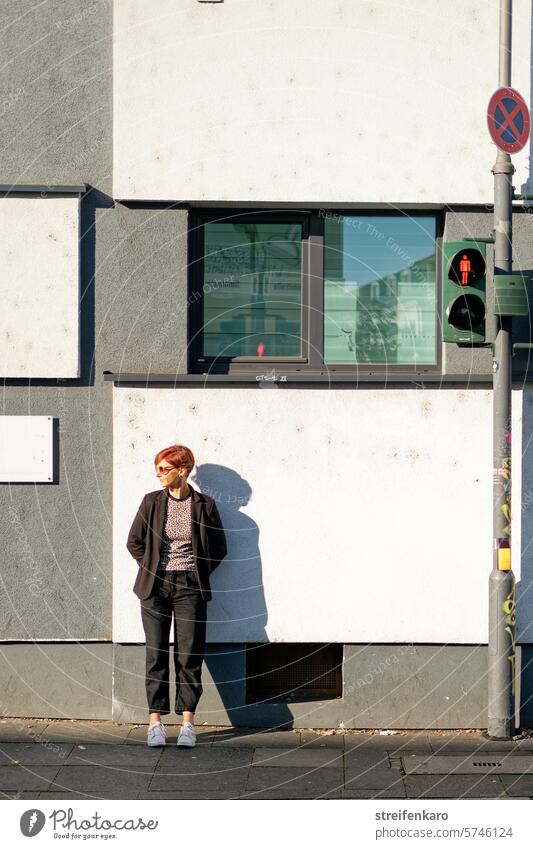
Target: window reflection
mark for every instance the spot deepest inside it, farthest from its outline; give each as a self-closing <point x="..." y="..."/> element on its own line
<point x="252" y="289"/>
<point x="380" y="289"/>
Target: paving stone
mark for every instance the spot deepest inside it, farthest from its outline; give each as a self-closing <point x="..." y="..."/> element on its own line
<point x="481" y="749"/>
<point x="474" y="743"/>
<point x="371" y="777"/>
<point x="316" y="796"/>
<point x="58" y="795"/>
<point x="400" y="743"/>
<point x="215" y="769"/>
<point x="294" y="783"/>
<point x="304" y="757"/>
<point x="83" y="732"/>
<point x="195" y="794"/>
<point x="416" y="746"/>
<point x="34" y="753"/>
<point x="21" y="730"/>
<point x="252" y="737"/>
<point x="222" y="781"/>
<point x="27" y="778"/>
<point x="20" y="794"/>
<point x="101" y="779"/>
<point x="120" y="755"/>
<point x="181" y="760"/>
<point x="357" y="740"/>
<point x="454" y="786"/>
<point x="517" y="785"/>
<point x="321" y="741"/>
<point x="366" y="757"/>
<point x="397" y="791"/>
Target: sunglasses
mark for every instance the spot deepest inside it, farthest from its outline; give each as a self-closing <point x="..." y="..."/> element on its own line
<point x="164" y="469"/>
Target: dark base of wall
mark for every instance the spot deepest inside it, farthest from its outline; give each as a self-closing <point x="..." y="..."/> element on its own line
<point x="384" y="686"/>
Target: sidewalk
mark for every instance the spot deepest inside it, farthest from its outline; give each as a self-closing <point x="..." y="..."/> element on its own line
<point x="52" y="759"/>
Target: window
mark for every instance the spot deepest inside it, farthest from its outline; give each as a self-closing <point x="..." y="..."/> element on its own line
<point x="252" y="289"/>
<point x="380" y="289"/>
<point x="316" y="292"/>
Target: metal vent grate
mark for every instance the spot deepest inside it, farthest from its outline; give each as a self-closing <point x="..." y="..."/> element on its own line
<point x="467" y="764"/>
<point x="293" y="671"/>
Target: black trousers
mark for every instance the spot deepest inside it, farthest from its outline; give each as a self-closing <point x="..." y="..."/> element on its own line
<point x="174" y="593"/>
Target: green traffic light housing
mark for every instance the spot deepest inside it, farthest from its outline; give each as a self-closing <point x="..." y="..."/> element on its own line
<point x="510" y="294"/>
<point x="463" y="292"/>
<point x="465" y="312"/>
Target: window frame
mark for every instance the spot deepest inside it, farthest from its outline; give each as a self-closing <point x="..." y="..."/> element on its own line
<point x="312" y="305"/>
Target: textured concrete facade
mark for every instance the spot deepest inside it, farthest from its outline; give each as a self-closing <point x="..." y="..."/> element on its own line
<point x="56" y="540"/>
<point x="57" y="130"/>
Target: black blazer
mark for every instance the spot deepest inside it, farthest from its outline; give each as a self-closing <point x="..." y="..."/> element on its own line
<point x="144" y="539"/>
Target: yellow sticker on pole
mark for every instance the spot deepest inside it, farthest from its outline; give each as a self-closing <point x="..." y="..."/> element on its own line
<point x="504" y="559"/>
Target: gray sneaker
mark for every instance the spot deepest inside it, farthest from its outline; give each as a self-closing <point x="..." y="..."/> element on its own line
<point x="157" y="735"/>
<point x="187" y="735"/>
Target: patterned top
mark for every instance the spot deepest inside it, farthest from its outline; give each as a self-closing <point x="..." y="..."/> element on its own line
<point x="176" y="545"/>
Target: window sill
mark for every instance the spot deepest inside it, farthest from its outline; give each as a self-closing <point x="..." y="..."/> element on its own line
<point x="298" y="378"/>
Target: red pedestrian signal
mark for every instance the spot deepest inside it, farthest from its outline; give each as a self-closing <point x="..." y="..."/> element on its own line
<point x="463" y="292"/>
<point x="465" y="266"/>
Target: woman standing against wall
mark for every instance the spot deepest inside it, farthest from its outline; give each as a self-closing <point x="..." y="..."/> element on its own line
<point x="177" y="539"/>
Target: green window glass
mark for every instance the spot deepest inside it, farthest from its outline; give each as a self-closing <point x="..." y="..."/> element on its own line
<point x="379" y="289"/>
<point x="252" y="289"/>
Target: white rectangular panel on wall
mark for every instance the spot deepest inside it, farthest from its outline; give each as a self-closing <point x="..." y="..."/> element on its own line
<point x="314" y="101"/>
<point x="39" y="287"/>
<point x="26" y="449"/>
<point x="351" y="515"/>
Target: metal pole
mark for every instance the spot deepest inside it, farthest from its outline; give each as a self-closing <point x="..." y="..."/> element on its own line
<point x="501" y="646"/>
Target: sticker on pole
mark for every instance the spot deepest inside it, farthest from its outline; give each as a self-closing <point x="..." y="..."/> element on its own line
<point x="508" y="120"/>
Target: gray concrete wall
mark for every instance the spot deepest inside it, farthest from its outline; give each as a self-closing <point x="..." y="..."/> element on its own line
<point x="385" y="686"/>
<point x="141" y="303"/>
<point x="56" y="128"/>
<point x="56" y="680"/>
<point x="56" y="92"/>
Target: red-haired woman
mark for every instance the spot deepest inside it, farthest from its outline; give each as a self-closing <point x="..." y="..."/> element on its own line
<point x="177" y="539"/>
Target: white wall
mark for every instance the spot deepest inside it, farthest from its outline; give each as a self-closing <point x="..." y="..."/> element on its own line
<point x="26" y="449"/>
<point x="39" y="287"/>
<point x="351" y="515"/>
<point x="319" y="101"/>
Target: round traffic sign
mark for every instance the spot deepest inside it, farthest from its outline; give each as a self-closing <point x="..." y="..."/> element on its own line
<point x="508" y="120"/>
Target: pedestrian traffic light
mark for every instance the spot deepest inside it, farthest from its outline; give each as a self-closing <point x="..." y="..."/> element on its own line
<point x="463" y="292"/>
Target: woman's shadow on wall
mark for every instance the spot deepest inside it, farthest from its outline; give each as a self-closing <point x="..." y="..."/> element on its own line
<point x="237" y="614"/>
